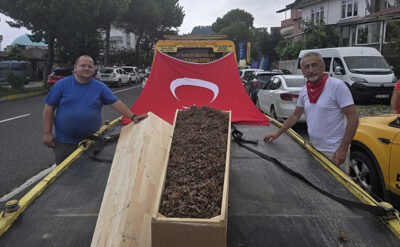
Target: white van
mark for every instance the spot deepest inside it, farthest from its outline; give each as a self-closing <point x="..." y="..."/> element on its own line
<point x="363" y="69"/>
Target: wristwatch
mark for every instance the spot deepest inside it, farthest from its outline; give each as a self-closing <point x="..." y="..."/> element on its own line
<point x="133" y="116"/>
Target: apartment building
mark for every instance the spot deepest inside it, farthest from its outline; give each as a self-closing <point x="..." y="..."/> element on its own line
<point x="360" y="22"/>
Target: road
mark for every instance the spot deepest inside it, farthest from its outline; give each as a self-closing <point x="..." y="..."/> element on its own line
<point x="22" y="152"/>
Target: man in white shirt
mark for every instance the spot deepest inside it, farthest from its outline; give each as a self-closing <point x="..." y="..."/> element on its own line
<point x="329" y="110"/>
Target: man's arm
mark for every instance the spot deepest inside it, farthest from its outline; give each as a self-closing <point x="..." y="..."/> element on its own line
<point x="352" y="123"/>
<point x="48" y="118"/>
<point x="122" y="109"/>
<point x="292" y="119"/>
<point x="394" y="101"/>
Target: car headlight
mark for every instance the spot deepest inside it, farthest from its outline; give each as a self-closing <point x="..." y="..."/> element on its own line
<point x="394" y="79"/>
<point x="358" y="79"/>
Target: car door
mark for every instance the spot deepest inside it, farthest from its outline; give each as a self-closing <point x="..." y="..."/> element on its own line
<point x="273" y="93"/>
<point x="124" y="76"/>
<point x="336" y="63"/>
<point x="262" y="98"/>
<point x="394" y="169"/>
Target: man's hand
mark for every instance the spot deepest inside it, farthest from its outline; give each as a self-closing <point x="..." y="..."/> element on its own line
<point x="339" y="156"/>
<point x="48" y="140"/>
<point x="138" y="118"/>
<point x="272" y="136"/>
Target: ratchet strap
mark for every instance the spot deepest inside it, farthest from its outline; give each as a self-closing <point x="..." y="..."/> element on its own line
<point x="100" y="142"/>
<point x="379" y="210"/>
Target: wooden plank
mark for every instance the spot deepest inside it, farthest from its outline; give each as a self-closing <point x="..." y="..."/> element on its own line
<point x="125" y="213"/>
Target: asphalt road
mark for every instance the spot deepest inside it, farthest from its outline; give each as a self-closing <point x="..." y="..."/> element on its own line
<point x="22" y="152"/>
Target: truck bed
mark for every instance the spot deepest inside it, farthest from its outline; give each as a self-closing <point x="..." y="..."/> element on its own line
<point x="267" y="206"/>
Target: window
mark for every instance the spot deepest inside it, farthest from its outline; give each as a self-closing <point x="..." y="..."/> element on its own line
<point x="392" y="30"/>
<point x="349" y="8"/>
<point x="327" y="61"/>
<point x="338" y="62"/>
<point x="368" y="33"/>
<point x="317" y="15"/>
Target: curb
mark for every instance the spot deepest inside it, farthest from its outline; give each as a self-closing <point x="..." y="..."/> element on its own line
<point x="22" y="95"/>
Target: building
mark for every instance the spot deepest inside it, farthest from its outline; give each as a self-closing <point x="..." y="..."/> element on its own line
<point x="36" y="52"/>
<point x="121" y="40"/>
<point x="360" y="22"/>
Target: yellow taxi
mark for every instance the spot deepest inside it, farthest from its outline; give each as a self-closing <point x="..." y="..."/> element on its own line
<point x="375" y="156"/>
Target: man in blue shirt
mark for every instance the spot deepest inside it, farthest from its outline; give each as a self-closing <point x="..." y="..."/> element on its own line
<point x="78" y="99"/>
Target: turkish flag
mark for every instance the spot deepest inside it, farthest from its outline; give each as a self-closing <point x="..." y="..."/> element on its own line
<point x="175" y="84"/>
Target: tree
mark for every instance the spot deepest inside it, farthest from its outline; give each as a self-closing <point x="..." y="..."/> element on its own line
<point x="236" y="24"/>
<point x="150" y="20"/>
<point x="16" y="54"/>
<point x="56" y="20"/>
<point x="393" y="39"/>
<point x="319" y="35"/>
<point x="109" y="11"/>
<point x="315" y="36"/>
<point x="202" y="30"/>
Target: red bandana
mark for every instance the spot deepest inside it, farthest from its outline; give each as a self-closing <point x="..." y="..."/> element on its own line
<point x="315" y="90"/>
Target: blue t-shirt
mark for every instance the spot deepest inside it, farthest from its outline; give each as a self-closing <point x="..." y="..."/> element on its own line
<point x="78" y="108"/>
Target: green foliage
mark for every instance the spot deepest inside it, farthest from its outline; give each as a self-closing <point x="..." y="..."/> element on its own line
<point x="15" y="53"/>
<point x="315" y="36"/>
<point x="237" y="25"/>
<point x="393" y="36"/>
<point x="16" y="81"/>
<point x="71" y="47"/>
<point x="202" y="30"/>
<point x="288" y="50"/>
<point x="319" y="35"/>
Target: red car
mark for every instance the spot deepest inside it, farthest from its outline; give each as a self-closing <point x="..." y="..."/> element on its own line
<point x="56" y="75"/>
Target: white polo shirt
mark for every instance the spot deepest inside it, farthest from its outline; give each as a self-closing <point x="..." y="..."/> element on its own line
<point x="325" y="120"/>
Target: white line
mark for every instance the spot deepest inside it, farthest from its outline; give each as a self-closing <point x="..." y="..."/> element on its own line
<point x="9" y="119"/>
<point x="127" y="89"/>
<point x="28" y="183"/>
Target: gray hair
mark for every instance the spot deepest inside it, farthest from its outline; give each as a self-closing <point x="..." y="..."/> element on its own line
<point x="312" y="54"/>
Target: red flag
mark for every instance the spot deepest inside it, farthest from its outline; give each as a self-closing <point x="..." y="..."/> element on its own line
<point x="175" y="84"/>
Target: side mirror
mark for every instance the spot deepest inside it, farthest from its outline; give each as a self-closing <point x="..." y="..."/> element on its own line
<point x="339" y="70"/>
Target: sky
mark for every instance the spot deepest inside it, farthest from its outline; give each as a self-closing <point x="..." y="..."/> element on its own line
<point x="197" y="13"/>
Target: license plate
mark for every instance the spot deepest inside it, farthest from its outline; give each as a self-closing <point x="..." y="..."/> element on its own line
<point x="382" y="96"/>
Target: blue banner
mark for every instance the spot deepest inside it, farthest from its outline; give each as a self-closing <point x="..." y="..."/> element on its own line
<point x="242" y="51"/>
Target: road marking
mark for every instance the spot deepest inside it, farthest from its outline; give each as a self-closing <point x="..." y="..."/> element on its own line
<point x="28" y="183"/>
<point x="9" y="119"/>
<point x="127" y="89"/>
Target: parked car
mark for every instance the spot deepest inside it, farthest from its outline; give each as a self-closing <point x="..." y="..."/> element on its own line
<point x="257" y="81"/>
<point x="142" y="74"/>
<point x="279" y="96"/>
<point x="145" y="80"/>
<point x="133" y="73"/>
<point x="245" y="74"/>
<point x="113" y="76"/>
<point x="58" y="74"/>
<point x="20" y="68"/>
<point x="147" y="70"/>
<point x="375" y="156"/>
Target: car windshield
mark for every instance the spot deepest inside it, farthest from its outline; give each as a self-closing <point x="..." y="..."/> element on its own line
<point x="128" y="69"/>
<point x="63" y="72"/>
<point x="4" y="67"/>
<point x="106" y="71"/>
<point x="17" y="67"/>
<point x="264" y="77"/>
<point x="295" y="82"/>
<point x="368" y="65"/>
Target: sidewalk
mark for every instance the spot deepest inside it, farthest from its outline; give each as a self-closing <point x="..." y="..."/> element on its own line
<point x="32" y="84"/>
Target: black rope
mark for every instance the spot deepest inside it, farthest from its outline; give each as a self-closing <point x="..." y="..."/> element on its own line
<point x="375" y="210"/>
